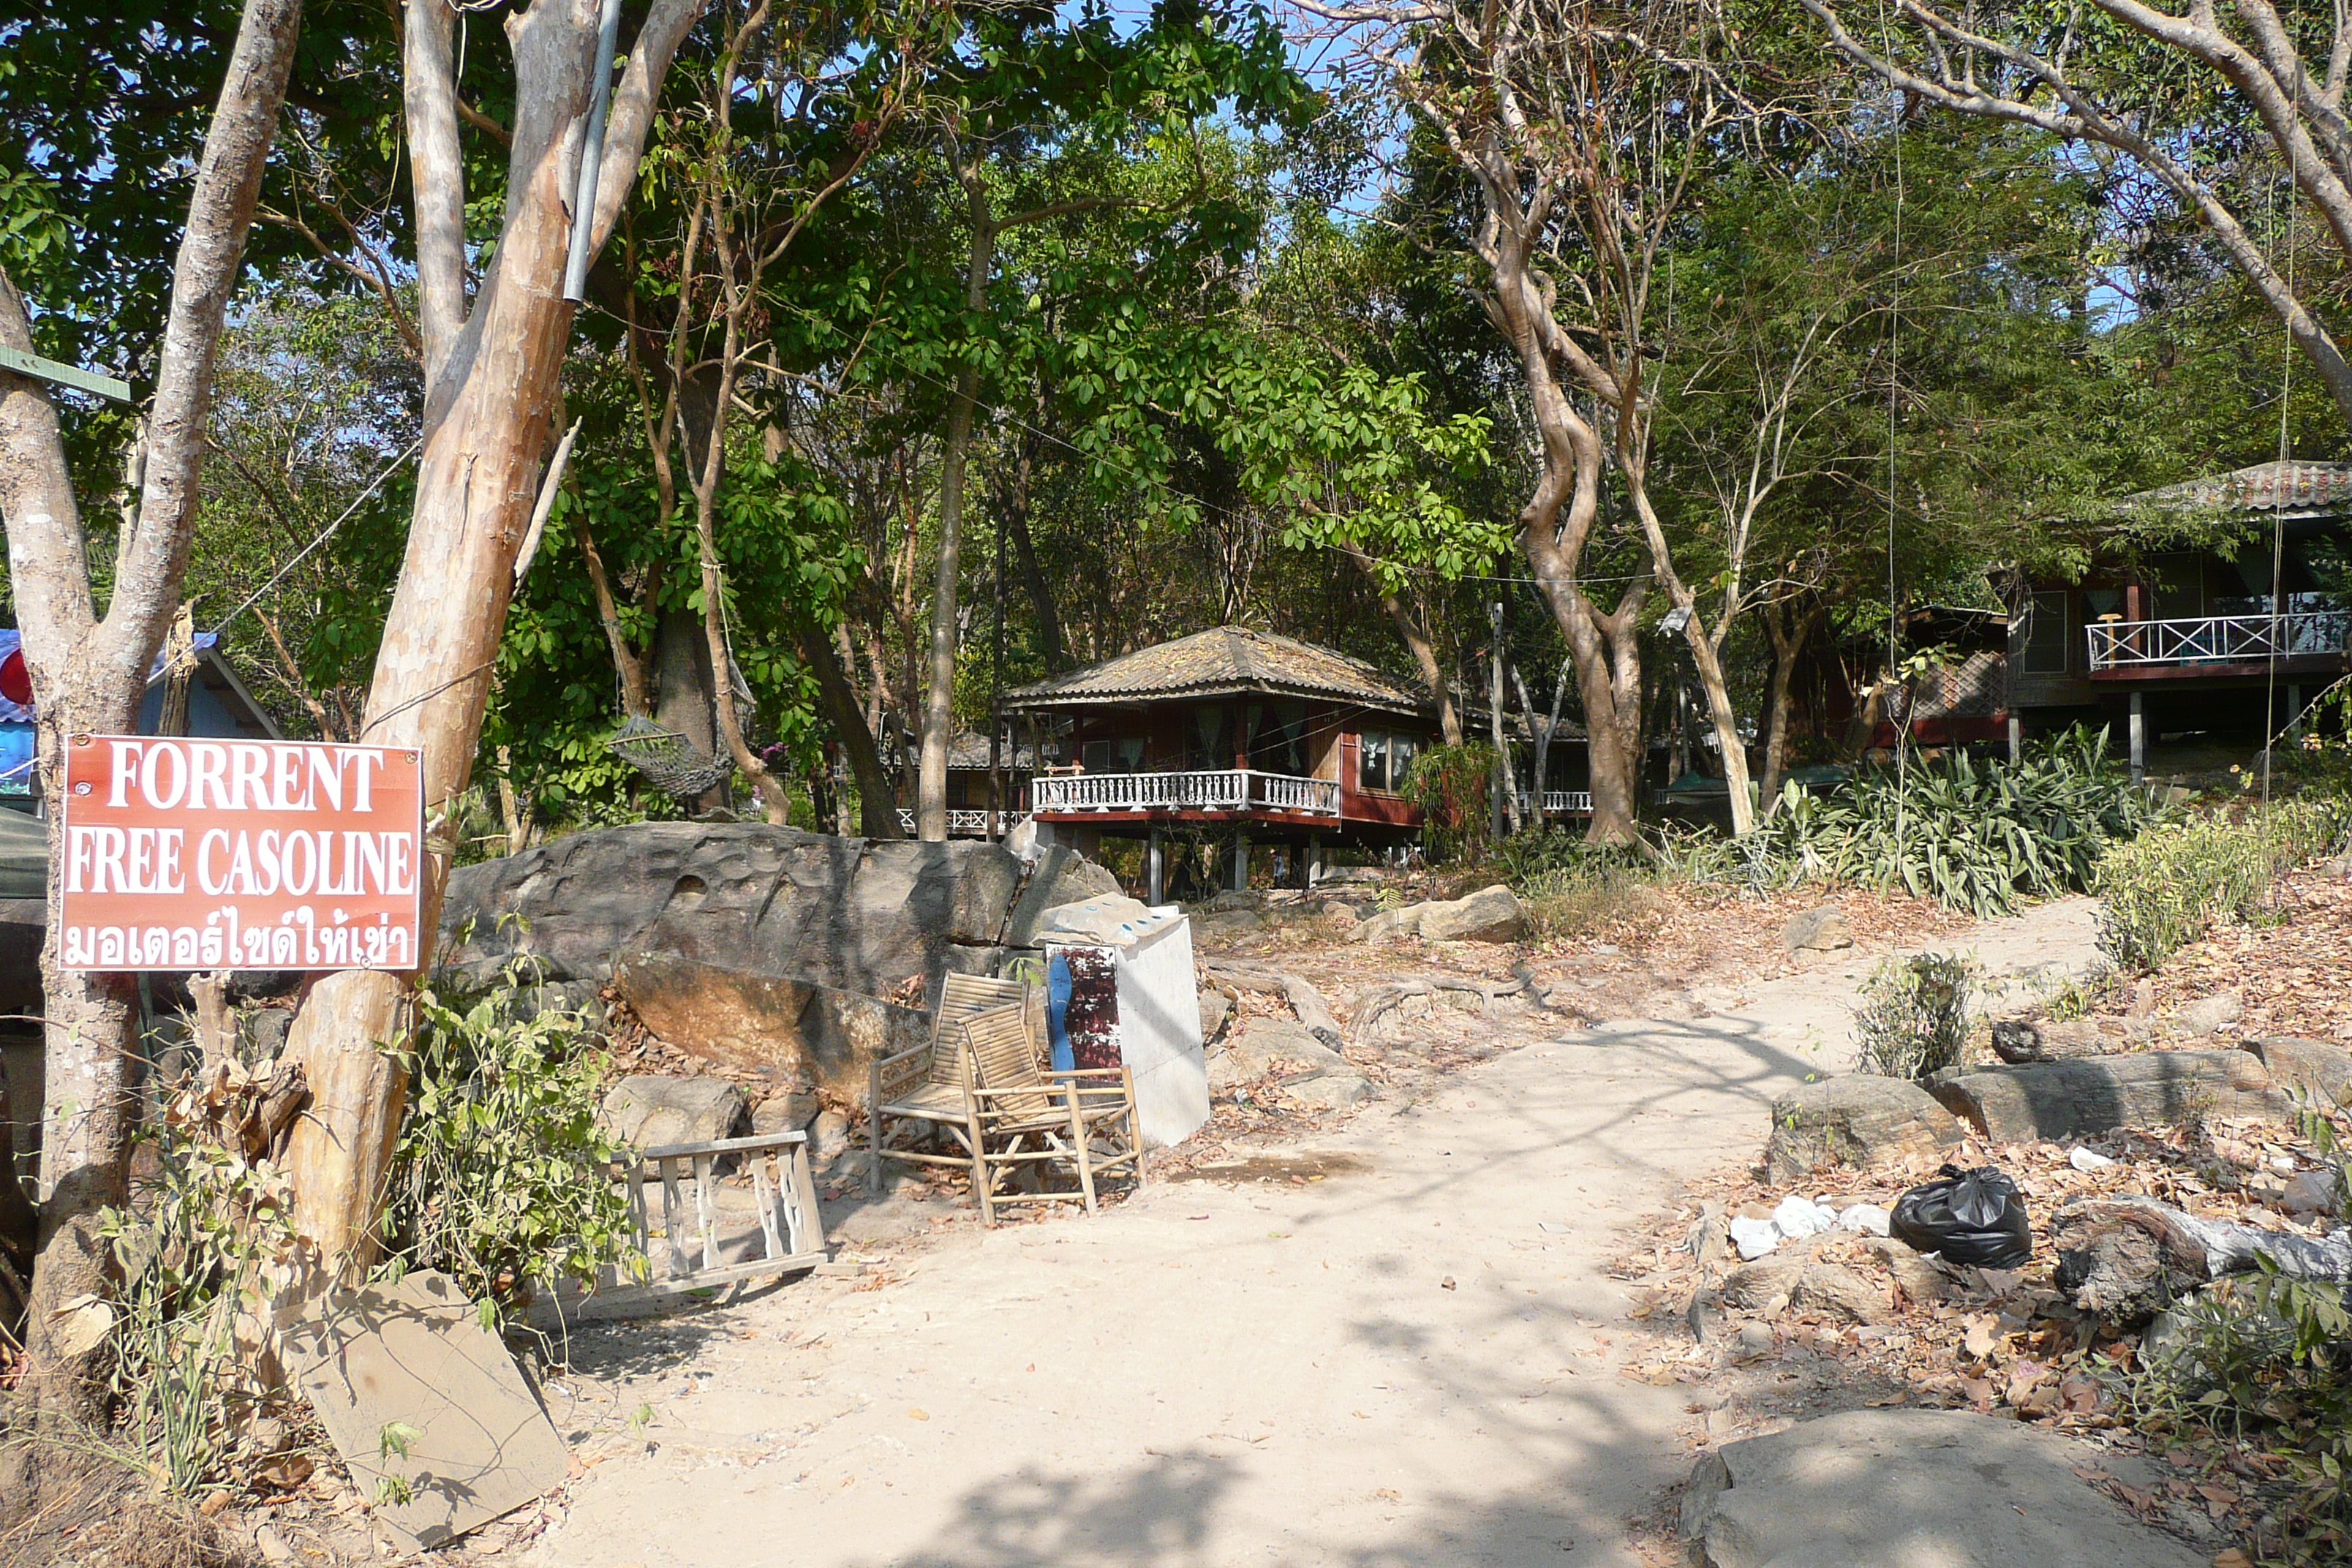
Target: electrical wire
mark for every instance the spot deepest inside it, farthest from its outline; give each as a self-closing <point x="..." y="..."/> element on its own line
<point x="323" y="535"/>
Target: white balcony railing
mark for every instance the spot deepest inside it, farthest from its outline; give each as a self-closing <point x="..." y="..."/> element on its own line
<point x="966" y="824"/>
<point x="1223" y="789"/>
<point x="2219" y="639"/>
<point x="1558" y="802"/>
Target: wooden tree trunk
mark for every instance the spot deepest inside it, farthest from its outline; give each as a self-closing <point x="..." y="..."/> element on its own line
<point x="939" y="704"/>
<point x="90" y="675"/>
<point x="2127" y="1259"/>
<point x="491" y="385"/>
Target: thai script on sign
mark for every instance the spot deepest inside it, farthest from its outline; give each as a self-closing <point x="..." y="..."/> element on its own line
<point x="186" y="854"/>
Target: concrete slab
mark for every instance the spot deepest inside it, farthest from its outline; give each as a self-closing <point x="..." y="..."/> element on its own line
<point x="1919" y="1489"/>
<point x="415" y="1353"/>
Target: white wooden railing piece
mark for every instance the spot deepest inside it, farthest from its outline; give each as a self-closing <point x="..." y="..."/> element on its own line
<point x="791" y="1228"/>
<point x="2218" y="640"/>
<point x="1209" y="789"/>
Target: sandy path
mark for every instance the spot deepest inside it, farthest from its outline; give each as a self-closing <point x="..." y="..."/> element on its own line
<point x="1407" y="1362"/>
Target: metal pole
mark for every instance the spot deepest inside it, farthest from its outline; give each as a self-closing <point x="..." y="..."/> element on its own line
<point x="2139" y="738"/>
<point x="592" y="154"/>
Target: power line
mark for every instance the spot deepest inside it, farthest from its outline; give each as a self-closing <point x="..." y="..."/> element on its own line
<point x="323" y="535"/>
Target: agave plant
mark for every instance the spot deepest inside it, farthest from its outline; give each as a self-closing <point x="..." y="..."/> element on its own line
<point x="1984" y="837"/>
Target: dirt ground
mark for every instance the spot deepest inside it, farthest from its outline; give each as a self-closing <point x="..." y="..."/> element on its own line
<point x="1401" y="1339"/>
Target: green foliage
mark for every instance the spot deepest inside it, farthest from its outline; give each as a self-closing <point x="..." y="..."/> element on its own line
<point x="1450" y="785"/>
<point x="498" y="1180"/>
<point x="1597" y="891"/>
<point x="2266" y="1360"/>
<point x="202" y="1252"/>
<point x="2172" y="886"/>
<point x="1983" y="837"/>
<point x="1915" y="1014"/>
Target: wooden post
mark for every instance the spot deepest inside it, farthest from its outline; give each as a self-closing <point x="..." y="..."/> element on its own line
<point x="1155" y="881"/>
<point x="2139" y="738"/>
<point x="2295" y="709"/>
<point x="1241" y="859"/>
<point x="1314" y="861"/>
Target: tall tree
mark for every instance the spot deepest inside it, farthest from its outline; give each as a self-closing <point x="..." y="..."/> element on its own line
<point x="2178" y="94"/>
<point x="493" y="350"/>
<point x="90" y="671"/>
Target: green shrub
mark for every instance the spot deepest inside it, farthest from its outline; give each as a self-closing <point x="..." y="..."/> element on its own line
<point x="498" y="1177"/>
<point x="202" y="1253"/>
<point x="1603" y="889"/>
<point x="1450" y="785"/>
<point x="2170" y="887"/>
<point x="1914" y="1013"/>
<point x="1983" y="837"/>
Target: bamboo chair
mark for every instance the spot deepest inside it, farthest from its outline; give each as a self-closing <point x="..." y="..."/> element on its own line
<point x="1027" y="1116"/>
<point x="927" y="1085"/>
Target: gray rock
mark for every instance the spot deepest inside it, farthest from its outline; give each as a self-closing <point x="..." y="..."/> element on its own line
<point x="1226" y="926"/>
<point x="1754" y="1341"/>
<point x="785" y="1113"/>
<point x="2312" y="1192"/>
<point x="857" y="914"/>
<point x="1834" y="1290"/>
<point x="1215" y="1008"/>
<point x="2091" y="1095"/>
<point x="828" y="1135"/>
<point x="1821" y="929"/>
<point x="1937" y="1489"/>
<point x="265" y="1031"/>
<point x="1235" y="898"/>
<point x="2206" y="1014"/>
<point x="1490" y="914"/>
<point x="1339" y="1090"/>
<point x="649" y="1112"/>
<point x="1266" y="1046"/>
<point x="2315" y="1067"/>
<point x="1920" y="1281"/>
<point x="1855" y="1121"/>
<point x="1390" y="925"/>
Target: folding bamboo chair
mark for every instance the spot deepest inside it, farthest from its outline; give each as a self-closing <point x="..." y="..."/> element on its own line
<point x="927" y="1085"/>
<point x="1027" y="1116"/>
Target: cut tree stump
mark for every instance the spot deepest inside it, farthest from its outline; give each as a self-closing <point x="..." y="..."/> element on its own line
<point x="2017" y="1040"/>
<point x="2099" y="1094"/>
<point x="2129" y="1258"/>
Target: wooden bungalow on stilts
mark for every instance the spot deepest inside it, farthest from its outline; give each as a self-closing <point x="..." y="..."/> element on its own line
<point x="1235" y="732"/>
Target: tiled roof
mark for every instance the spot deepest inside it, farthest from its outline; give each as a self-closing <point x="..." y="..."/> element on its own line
<point x="1225" y="661"/>
<point x="2312" y="490"/>
<point x="969" y="749"/>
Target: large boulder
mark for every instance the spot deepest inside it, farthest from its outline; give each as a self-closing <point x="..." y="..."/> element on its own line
<point x="1490" y="914"/>
<point x="1855" y="1121"/>
<point x="2090" y="1095"/>
<point x="652" y="1112"/>
<point x="789" y="1029"/>
<point x="1267" y="1045"/>
<point x="858" y="914"/>
<point x="1946" y="1488"/>
<point x="1389" y="925"/>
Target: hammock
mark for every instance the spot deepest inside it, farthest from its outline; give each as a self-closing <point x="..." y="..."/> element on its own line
<point x="667" y="760"/>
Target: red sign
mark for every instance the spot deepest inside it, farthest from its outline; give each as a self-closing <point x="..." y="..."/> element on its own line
<point x="188" y="855"/>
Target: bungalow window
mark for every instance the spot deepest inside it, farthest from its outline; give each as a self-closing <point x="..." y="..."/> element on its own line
<point x="1384" y="761"/>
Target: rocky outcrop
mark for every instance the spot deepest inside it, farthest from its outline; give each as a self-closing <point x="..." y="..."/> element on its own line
<point x="1855" y="1121"/>
<point x="788" y="1029"/>
<point x="857" y="914"/>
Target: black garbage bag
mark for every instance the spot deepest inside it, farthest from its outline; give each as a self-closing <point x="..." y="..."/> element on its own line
<point x="1969" y="1216"/>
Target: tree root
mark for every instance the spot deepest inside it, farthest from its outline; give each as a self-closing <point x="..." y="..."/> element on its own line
<point x="2129" y="1258"/>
